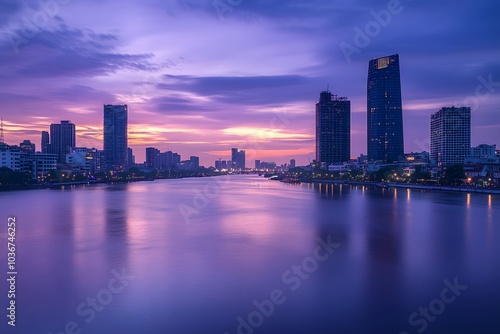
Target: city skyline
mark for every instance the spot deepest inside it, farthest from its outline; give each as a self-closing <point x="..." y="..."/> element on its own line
<point x="189" y="93"/>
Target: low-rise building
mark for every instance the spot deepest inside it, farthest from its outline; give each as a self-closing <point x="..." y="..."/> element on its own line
<point x="41" y="164"/>
<point x="483" y="154"/>
<point x="12" y="159"/>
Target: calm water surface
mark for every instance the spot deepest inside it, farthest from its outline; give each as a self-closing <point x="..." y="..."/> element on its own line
<point x="202" y="251"/>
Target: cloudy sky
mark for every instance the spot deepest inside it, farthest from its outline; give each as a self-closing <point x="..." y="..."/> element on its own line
<point x="202" y="76"/>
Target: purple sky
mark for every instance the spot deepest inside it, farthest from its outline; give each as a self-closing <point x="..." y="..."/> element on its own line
<point x="202" y="76"/>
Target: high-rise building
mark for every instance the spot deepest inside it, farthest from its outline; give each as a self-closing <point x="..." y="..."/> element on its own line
<point x="164" y="160"/>
<point x="167" y="160"/>
<point x="257" y="164"/>
<point x="98" y="163"/>
<point x="220" y="164"/>
<point x="130" y="157"/>
<point x="292" y="163"/>
<point x="115" y="136"/>
<point x="176" y="158"/>
<point x="195" y="161"/>
<point x="237" y="159"/>
<point x="27" y="147"/>
<point x="384" y="110"/>
<point x="62" y="139"/>
<point x="45" y="142"/>
<point x="152" y="156"/>
<point x="333" y="129"/>
<point x="450" y="135"/>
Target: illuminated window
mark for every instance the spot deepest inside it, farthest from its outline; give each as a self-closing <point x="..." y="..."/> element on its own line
<point x="383" y="62"/>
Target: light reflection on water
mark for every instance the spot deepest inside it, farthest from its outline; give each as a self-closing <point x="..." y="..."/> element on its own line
<point x="397" y="247"/>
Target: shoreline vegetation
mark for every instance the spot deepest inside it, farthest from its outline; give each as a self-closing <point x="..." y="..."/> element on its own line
<point x="19" y="181"/>
<point x="377" y="184"/>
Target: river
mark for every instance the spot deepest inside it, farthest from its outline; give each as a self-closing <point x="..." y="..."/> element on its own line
<point x="242" y="254"/>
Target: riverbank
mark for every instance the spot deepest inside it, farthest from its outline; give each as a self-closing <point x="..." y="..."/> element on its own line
<point x="410" y="186"/>
<point x="13" y="187"/>
<point x="10" y="187"/>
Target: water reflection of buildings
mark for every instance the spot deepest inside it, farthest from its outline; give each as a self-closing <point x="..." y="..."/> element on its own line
<point x="329" y="190"/>
<point x="366" y="222"/>
<point x="116" y="212"/>
<point x="116" y="226"/>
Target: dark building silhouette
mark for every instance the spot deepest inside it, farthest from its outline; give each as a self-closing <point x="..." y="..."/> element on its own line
<point x="152" y="155"/>
<point x="195" y="161"/>
<point x="27" y="147"/>
<point x="220" y="164"/>
<point x="450" y="135"/>
<point x="62" y="139"/>
<point x="45" y="142"/>
<point x="384" y="110"/>
<point x="257" y="164"/>
<point x="130" y="157"/>
<point x="162" y="160"/>
<point x="237" y="159"/>
<point x="166" y="160"/>
<point x="333" y="129"/>
<point x="176" y="158"/>
<point x="115" y="136"/>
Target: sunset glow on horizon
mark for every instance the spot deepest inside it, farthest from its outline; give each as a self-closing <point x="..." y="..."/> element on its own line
<point x="199" y="82"/>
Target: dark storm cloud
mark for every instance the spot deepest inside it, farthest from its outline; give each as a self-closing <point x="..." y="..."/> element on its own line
<point x="68" y="52"/>
<point x="80" y="93"/>
<point x="173" y="105"/>
<point x="255" y="90"/>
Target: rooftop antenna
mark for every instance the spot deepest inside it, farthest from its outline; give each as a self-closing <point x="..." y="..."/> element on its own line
<point x="1" y="131"/>
<point x="328" y="87"/>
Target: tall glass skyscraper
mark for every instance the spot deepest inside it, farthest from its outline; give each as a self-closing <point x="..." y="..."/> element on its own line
<point x="450" y="135"/>
<point x="115" y="136"/>
<point x="333" y="129"/>
<point x="384" y="110"/>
